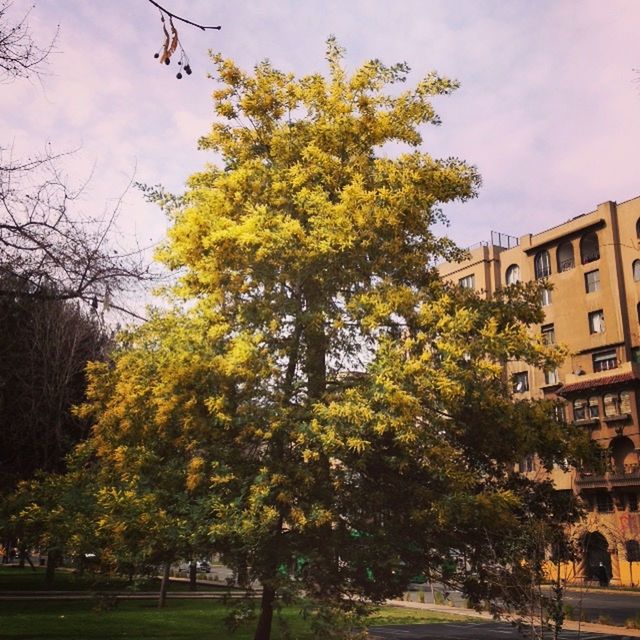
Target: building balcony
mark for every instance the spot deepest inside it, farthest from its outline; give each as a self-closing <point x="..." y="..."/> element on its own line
<point x="626" y="476"/>
<point x="583" y="382"/>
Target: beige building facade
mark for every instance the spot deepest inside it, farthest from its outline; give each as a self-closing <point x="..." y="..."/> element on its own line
<point x="592" y="306"/>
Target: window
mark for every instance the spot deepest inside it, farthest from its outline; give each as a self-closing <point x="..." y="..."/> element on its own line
<point x="551" y="376"/>
<point x="604" y="502"/>
<point x="526" y="464"/>
<point x="579" y="409"/>
<point x="512" y="274"/>
<point x="468" y="282"/>
<point x="616" y="404"/>
<point x="596" y="321"/>
<point x="636" y="270"/>
<point x="632" y="501"/>
<point x="558" y="413"/>
<point x="638" y="228"/>
<point x="520" y="382"/>
<point x="604" y="360"/>
<point x="611" y="405"/>
<point x="632" y="548"/>
<point x="592" y="281"/>
<point x="564" y="256"/>
<point x="625" y="402"/>
<point x="545" y="297"/>
<point x="589" y="248"/>
<point x="594" y="407"/>
<point x="542" y="265"/>
<point x="548" y="334"/>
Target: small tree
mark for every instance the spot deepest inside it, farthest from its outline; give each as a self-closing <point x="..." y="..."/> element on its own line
<point x="154" y="449"/>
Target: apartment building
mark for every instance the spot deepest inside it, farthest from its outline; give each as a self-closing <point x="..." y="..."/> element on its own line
<point x="592" y="306"/>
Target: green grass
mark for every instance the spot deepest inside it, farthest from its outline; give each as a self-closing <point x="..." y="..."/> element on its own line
<point x="16" y="579"/>
<point x="405" y="615"/>
<point x="180" y="620"/>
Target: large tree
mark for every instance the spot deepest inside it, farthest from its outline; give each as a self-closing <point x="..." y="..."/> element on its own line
<point x="364" y="423"/>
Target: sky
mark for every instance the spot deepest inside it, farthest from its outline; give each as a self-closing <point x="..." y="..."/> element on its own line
<point x="548" y="109"/>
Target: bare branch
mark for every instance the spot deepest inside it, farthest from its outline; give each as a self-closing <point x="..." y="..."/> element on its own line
<point x="20" y="55"/>
<point x="48" y="252"/>
<point x="173" y="15"/>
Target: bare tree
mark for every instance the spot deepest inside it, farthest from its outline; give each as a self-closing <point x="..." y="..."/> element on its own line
<point x="48" y="250"/>
<point x="20" y="55"/>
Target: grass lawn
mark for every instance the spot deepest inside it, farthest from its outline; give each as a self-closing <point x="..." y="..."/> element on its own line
<point x="180" y="620"/>
<point x="16" y="579"/>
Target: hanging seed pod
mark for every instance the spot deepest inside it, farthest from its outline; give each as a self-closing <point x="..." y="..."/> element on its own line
<point x="174" y="38"/>
<point x="167" y="40"/>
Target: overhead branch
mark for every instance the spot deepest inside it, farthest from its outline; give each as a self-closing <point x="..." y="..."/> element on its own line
<point x="176" y="17"/>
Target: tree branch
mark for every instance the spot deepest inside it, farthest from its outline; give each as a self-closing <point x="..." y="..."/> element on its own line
<point x="173" y="15"/>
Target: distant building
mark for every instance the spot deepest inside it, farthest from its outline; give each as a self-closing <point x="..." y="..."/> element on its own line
<point x="593" y="263"/>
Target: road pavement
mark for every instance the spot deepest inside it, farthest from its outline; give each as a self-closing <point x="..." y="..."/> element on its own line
<point x="476" y="631"/>
<point x="617" y="606"/>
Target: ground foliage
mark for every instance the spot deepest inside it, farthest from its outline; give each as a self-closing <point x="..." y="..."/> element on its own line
<point x="327" y="413"/>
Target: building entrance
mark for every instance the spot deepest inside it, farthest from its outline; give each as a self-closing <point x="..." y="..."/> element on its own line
<point x="597" y="557"/>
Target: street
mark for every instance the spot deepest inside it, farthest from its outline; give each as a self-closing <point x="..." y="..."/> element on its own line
<point x="617" y="606"/>
<point x="473" y="631"/>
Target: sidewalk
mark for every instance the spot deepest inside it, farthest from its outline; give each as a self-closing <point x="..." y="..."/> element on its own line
<point x="569" y="625"/>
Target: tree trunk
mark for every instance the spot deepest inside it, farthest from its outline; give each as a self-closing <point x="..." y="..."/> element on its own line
<point x="53" y="558"/>
<point x="193" y="574"/>
<point x="269" y="584"/>
<point x="316" y="342"/>
<point x="263" y="630"/>
<point x="164" y="584"/>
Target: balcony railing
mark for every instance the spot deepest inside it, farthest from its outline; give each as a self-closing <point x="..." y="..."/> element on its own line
<point x="565" y="265"/>
<point x="625" y="476"/>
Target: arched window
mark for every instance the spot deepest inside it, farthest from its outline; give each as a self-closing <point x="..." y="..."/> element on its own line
<point x="638" y="228"/>
<point x="623" y="454"/>
<point x="542" y="265"/>
<point x="564" y="256"/>
<point x="594" y="409"/>
<point x="512" y="274"/>
<point x="545" y="297"/>
<point x="589" y="248"/>
<point x="636" y="270"/>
